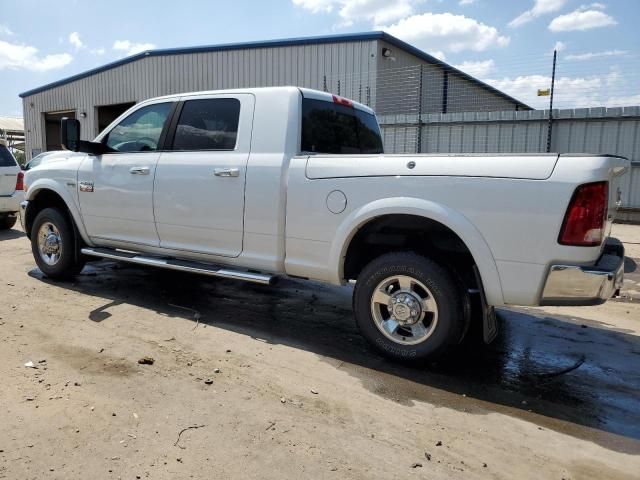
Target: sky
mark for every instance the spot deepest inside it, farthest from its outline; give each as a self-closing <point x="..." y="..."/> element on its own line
<point x="506" y="43"/>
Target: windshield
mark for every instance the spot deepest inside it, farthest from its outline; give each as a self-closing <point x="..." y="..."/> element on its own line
<point x="35" y="161"/>
<point x="328" y="127"/>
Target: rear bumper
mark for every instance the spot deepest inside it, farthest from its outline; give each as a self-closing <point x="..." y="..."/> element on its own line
<point x="575" y="285"/>
<point x="10" y="204"/>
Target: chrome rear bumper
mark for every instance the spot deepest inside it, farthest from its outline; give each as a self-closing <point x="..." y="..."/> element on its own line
<point x="574" y="285"/>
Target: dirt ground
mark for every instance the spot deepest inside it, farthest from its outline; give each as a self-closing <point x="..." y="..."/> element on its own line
<point x="257" y="382"/>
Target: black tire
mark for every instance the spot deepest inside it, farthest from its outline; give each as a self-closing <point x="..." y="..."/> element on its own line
<point x="442" y="288"/>
<point x="69" y="262"/>
<point x="7" y="221"/>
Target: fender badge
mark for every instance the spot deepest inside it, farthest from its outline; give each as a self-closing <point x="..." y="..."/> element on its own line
<point x="86" y="187"/>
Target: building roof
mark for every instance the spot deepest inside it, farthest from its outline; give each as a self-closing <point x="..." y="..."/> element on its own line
<point x="11" y="124"/>
<point x="348" y="37"/>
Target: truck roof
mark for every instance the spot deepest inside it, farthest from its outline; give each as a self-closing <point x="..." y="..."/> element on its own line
<point x="286" y="90"/>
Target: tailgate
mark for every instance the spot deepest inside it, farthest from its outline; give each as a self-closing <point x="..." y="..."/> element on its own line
<point x="8" y="177"/>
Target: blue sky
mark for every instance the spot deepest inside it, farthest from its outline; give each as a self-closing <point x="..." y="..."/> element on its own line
<point x="506" y="43"/>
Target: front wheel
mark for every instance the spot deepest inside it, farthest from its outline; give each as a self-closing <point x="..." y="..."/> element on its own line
<point x="408" y="306"/>
<point x="53" y="244"/>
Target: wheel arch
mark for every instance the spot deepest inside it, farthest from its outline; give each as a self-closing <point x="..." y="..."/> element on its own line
<point x="422" y="209"/>
<point x="47" y="193"/>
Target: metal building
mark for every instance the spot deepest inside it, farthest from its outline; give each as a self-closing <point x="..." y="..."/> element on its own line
<point x="374" y="68"/>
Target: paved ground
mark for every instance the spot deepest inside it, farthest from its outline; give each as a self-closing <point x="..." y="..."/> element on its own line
<point x="298" y="393"/>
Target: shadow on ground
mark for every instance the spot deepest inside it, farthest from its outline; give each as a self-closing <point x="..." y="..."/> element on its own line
<point x="10" y="234"/>
<point x="574" y="376"/>
<point x="630" y="265"/>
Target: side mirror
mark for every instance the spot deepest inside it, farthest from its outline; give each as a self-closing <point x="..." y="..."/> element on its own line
<point x="70" y="134"/>
<point x="23" y="167"/>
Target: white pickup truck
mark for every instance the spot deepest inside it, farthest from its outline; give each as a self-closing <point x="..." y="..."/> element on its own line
<point x="257" y="183"/>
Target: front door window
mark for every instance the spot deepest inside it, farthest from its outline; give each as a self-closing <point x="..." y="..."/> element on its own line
<point x="140" y="131"/>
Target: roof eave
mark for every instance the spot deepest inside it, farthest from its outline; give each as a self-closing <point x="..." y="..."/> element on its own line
<point x="348" y="37"/>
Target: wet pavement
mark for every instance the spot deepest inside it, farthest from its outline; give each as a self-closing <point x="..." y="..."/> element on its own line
<point x="575" y="376"/>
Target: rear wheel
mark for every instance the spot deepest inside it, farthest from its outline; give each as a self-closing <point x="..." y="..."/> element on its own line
<point x="7" y="221"/>
<point x="53" y="244"/>
<point x="408" y="306"/>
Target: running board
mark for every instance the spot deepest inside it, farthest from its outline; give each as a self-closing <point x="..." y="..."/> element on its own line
<point x="181" y="265"/>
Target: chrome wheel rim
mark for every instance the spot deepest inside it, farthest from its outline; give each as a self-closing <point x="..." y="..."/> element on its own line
<point x="49" y="243"/>
<point x="404" y="310"/>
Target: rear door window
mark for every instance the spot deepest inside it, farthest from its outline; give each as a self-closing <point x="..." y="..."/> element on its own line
<point x="208" y="124"/>
<point x="328" y="127"/>
<point x="6" y="159"/>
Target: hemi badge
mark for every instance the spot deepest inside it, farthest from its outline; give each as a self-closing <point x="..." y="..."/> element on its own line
<point x="86" y="186"/>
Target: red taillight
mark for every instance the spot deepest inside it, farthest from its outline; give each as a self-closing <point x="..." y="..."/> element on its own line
<point x="585" y="219"/>
<point x="342" y="101"/>
<point x="20" y="181"/>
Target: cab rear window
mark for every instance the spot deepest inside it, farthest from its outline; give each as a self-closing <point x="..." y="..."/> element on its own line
<point x="6" y="159"/>
<point x="328" y="127"/>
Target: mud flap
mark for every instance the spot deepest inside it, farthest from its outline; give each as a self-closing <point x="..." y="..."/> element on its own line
<point x="489" y="320"/>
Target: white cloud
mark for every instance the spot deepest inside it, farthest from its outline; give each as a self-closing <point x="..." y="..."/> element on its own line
<point x="573" y="91"/>
<point x="466" y="2"/>
<point x="316" y="6"/>
<point x="4" y="30"/>
<point x="559" y="46"/>
<point x="74" y="39"/>
<point x="14" y="56"/>
<point x="609" y="89"/>
<point x="592" y="55"/>
<point x="480" y="68"/>
<point x="447" y="32"/>
<point x="131" y="48"/>
<point x="584" y="18"/>
<point x="623" y="101"/>
<point x="351" y="11"/>
<point x="540" y="7"/>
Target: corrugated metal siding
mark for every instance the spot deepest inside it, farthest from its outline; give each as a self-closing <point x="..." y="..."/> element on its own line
<point x="399" y="88"/>
<point x="613" y="131"/>
<point x="464" y="96"/>
<point x="354" y="69"/>
<point x="304" y="65"/>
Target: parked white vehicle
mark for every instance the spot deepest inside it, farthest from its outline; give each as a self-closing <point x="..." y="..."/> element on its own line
<point x="257" y="183"/>
<point x="11" y="194"/>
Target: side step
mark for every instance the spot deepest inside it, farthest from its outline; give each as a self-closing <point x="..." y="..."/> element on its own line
<point x="181" y="265"/>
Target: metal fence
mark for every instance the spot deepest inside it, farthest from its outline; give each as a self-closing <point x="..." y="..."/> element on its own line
<point x="596" y="130"/>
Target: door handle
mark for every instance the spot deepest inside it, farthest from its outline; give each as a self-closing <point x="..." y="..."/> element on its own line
<point x="139" y="170"/>
<point x="227" y="172"/>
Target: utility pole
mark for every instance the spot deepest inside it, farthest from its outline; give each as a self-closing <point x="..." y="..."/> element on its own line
<point x="419" y="137"/>
<point x="553" y="81"/>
